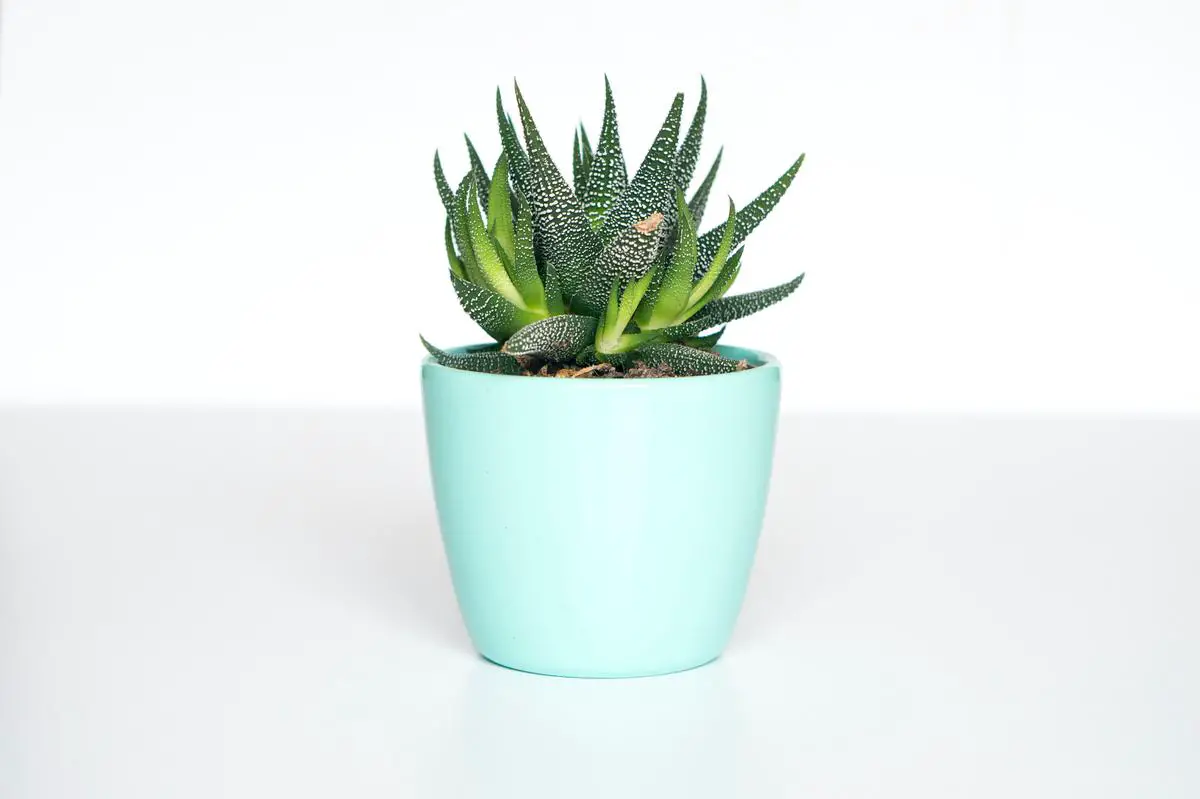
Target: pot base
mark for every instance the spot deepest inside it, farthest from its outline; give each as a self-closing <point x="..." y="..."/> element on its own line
<point x="600" y="674"/>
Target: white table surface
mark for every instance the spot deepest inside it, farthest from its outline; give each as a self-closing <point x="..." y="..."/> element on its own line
<point x="202" y="603"/>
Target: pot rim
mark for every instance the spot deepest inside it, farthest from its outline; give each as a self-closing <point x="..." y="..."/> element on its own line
<point x="763" y="362"/>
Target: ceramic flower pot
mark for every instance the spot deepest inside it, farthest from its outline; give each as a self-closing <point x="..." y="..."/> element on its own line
<point x="600" y="527"/>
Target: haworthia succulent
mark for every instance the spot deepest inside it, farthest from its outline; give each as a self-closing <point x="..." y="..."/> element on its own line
<point x="494" y="362"/>
<point x="456" y="264"/>
<point x="499" y="209"/>
<point x="748" y="218"/>
<point x="727" y="309"/>
<point x="668" y="299"/>
<point x="689" y="151"/>
<point x="628" y="257"/>
<point x="607" y="178"/>
<point x="562" y="235"/>
<point x="653" y="185"/>
<point x="699" y="200"/>
<point x="482" y="181"/>
<point x="442" y="186"/>
<point x="603" y="269"/>
<point x="685" y="360"/>
<point x="497" y="316"/>
<point x="518" y="161"/>
<point x="556" y="338"/>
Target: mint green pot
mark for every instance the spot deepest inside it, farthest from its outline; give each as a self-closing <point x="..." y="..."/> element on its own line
<point x="601" y="528"/>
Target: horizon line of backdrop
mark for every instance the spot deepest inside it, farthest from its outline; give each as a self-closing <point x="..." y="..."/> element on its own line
<point x="233" y="202"/>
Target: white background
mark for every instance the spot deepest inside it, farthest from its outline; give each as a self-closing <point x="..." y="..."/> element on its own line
<point x="232" y="201"/>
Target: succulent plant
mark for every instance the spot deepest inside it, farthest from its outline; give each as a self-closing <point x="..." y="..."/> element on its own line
<point x="607" y="270"/>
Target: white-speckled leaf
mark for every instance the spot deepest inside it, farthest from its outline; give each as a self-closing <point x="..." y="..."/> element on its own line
<point x="747" y="219"/>
<point x="699" y="200"/>
<point x="456" y="264"/>
<point x="585" y="150"/>
<point x="727" y="309"/>
<point x="626" y="258"/>
<point x="607" y="178"/>
<point x="653" y="186"/>
<point x="462" y="236"/>
<point x="577" y="173"/>
<point x="684" y="360"/>
<point x="493" y="362"/>
<point x="705" y="342"/>
<point x="496" y="315"/>
<point x="689" y="151"/>
<point x="482" y="182"/>
<point x="442" y="186"/>
<point x="518" y="161"/>
<point x="561" y="233"/>
<point x="557" y="338"/>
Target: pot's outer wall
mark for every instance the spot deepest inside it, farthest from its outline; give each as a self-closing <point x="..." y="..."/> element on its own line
<point x="601" y="528"/>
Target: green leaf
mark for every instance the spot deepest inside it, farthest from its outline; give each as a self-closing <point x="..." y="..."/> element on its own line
<point x="497" y="316"/>
<point x="462" y="235"/>
<point x="608" y="324"/>
<point x="629" y="256"/>
<point x="667" y="301"/>
<point x="456" y="264"/>
<point x="689" y="151"/>
<point x="748" y="218"/>
<point x="700" y="199"/>
<point x="487" y="255"/>
<point x="523" y="266"/>
<point x="585" y="149"/>
<point x="494" y="362"/>
<point x="719" y="259"/>
<point x="607" y="178"/>
<point x="563" y="236"/>
<point x="442" y="186"/>
<point x="577" y="173"/>
<point x="554" y="297"/>
<point x="653" y="186"/>
<point x="685" y="360"/>
<point x="631" y="297"/>
<point x="705" y="342"/>
<point x="581" y="161"/>
<point x="586" y="357"/>
<point x="518" y="161"/>
<point x="556" y="338"/>
<point x="499" y="209"/>
<point x="719" y="286"/>
<point x="482" y="181"/>
<point x="727" y="309"/>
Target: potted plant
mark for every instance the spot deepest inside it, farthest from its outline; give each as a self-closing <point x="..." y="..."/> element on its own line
<point x="598" y="522"/>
